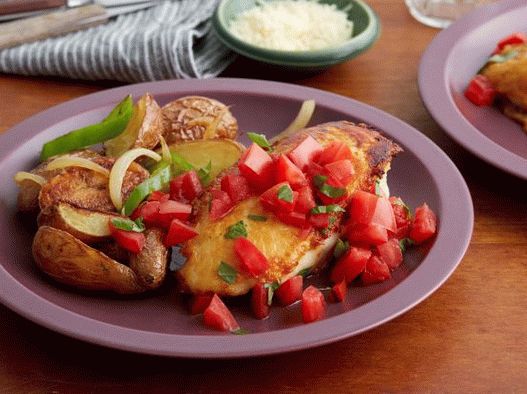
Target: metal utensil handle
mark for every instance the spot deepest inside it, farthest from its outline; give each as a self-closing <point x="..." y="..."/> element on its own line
<point x="16" y="6"/>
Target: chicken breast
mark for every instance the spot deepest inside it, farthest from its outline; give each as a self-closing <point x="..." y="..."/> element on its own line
<point x="288" y="249"/>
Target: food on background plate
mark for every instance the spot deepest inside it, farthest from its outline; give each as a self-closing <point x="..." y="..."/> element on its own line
<point x="256" y="220"/>
<point x="503" y="79"/>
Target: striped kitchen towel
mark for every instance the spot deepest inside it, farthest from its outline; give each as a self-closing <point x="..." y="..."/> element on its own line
<point x="171" y="40"/>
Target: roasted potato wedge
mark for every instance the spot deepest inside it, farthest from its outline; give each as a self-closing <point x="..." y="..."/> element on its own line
<point x="221" y="153"/>
<point x="143" y="131"/>
<point x="70" y="261"/>
<point x="195" y="118"/>
<point x="150" y="265"/>
<point x="86" y="225"/>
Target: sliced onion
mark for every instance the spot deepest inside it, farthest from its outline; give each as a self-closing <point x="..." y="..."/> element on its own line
<point x="23" y="176"/>
<point x="165" y="150"/>
<point x="72" y="161"/>
<point x="302" y="119"/>
<point x="119" y="171"/>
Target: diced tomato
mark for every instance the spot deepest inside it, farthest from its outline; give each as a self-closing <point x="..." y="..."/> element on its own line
<point x="158" y="196"/>
<point x="149" y="211"/>
<point x="304" y="232"/>
<point x="367" y="208"/>
<point x="320" y="220"/>
<point x="179" y="232"/>
<point x="219" y="317"/>
<point x="327" y="200"/>
<point x="129" y="240"/>
<point x="313" y="305"/>
<point x="305" y="201"/>
<point x="257" y="167"/>
<point x="252" y="260"/>
<point x="339" y="291"/>
<point x="304" y="153"/>
<point x="236" y="186"/>
<point x="220" y="204"/>
<point x="424" y="224"/>
<point x="294" y="218"/>
<point x="516" y="38"/>
<point x="351" y="265"/>
<point x="199" y="303"/>
<point x="342" y="171"/>
<point x="171" y="209"/>
<point x="366" y="234"/>
<point x="287" y="171"/>
<point x="290" y="291"/>
<point x="376" y="271"/>
<point x="480" y="91"/>
<point x="402" y="217"/>
<point x="270" y="198"/>
<point x="390" y="252"/>
<point x="314" y="169"/>
<point x="259" y="304"/>
<point x="334" y="152"/>
<point x="185" y="187"/>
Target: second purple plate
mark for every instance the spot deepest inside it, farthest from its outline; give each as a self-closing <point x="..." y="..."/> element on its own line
<point x="158" y="323"/>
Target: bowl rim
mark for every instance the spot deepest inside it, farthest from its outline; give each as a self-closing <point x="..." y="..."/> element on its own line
<point x="313" y="58"/>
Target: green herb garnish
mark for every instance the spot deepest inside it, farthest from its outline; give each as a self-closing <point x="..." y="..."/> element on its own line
<point x="405" y="243"/>
<point x="340" y="248"/>
<point x="257" y="218"/>
<point x="401" y="203"/>
<point x="260" y="140"/>
<point x="285" y="193"/>
<point x="305" y="272"/>
<point x="126" y="224"/>
<point x="319" y="180"/>
<point x="227" y="272"/>
<point x="327" y="209"/>
<point x="327" y="190"/>
<point x="240" y="331"/>
<point x="236" y="230"/>
<point x="204" y="173"/>
<point x="378" y="190"/>
<point x="271" y="287"/>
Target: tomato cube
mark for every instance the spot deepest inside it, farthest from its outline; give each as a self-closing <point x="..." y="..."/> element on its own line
<point x="424" y="225"/>
<point x="376" y="271"/>
<point x="305" y="201"/>
<point x="251" y="259"/>
<point x="480" y="91"/>
<point x="259" y="304"/>
<point x="320" y="220"/>
<point x="220" y="204"/>
<point x="185" y="187"/>
<point x="513" y="39"/>
<point x="290" y="291"/>
<point x="341" y="171"/>
<point x="304" y="152"/>
<point x="402" y="217"/>
<point x="236" y="186"/>
<point x="339" y="291"/>
<point x="178" y="232"/>
<point x="294" y="218"/>
<point x="350" y="265"/>
<point x="149" y="211"/>
<point x="257" y="167"/>
<point x="313" y="305"/>
<point x="158" y="196"/>
<point x="366" y="234"/>
<point x="219" y="317"/>
<point x="279" y="198"/>
<point x="334" y="152"/>
<point x="129" y="240"/>
<point x="390" y="252"/>
<point x="287" y="171"/>
<point x="199" y="303"/>
<point x="367" y="208"/>
<point x="171" y="209"/>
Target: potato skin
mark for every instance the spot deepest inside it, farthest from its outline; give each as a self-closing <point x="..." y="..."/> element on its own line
<point x="152" y="127"/>
<point x="70" y="261"/>
<point x="186" y="118"/>
<point x="150" y="265"/>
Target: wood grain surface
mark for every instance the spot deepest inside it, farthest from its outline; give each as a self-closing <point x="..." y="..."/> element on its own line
<point x="469" y="336"/>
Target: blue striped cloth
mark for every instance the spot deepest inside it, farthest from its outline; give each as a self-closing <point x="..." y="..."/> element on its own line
<point x="171" y="40"/>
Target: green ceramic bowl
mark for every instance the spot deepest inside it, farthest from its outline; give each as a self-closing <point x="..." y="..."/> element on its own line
<point x="366" y="28"/>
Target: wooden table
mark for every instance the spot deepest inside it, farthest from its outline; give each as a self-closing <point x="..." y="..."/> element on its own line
<point x="469" y="336"/>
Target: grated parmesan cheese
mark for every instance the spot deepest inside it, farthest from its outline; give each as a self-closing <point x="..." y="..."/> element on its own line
<point x="290" y="25"/>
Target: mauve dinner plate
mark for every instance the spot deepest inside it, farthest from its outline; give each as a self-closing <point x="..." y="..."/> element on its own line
<point x="158" y="323"/>
<point x="446" y="68"/>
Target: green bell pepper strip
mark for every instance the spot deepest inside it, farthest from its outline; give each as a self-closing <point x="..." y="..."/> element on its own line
<point x="157" y="181"/>
<point x="113" y="125"/>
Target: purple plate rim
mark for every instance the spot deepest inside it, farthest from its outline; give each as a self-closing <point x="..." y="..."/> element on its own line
<point x="435" y="92"/>
<point x="443" y="258"/>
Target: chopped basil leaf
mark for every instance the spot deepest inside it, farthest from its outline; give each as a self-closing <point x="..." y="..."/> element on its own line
<point x="236" y="230"/>
<point x="501" y="58"/>
<point x="405" y="243"/>
<point x="260" y="140"/>
<point x="271" y="287"/>
<point x="305" y="272"/>
<point x="204" y="173"/>
<point x="240" y="331"/>
<point x="319" y="180"/>
<point x="327" y="209"/>
<point x="285" y="193"/>
<point x="332" y="220"/>
<point x="340" y="248"/>
<point x="257" y="218"/>
<point x="324" y="232"/>
<point x="227" y="273"/>
<point x="125" y="224"/>
<point x="331" y="191"/>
